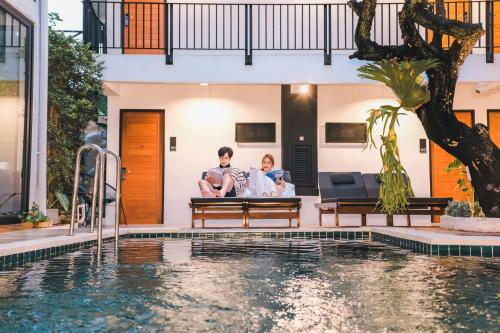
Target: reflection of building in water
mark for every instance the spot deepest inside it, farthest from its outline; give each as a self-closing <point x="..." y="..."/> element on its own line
<point x="137" y="251"/>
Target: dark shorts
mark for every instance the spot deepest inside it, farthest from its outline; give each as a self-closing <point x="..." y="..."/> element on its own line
<point x="230" y="194"/>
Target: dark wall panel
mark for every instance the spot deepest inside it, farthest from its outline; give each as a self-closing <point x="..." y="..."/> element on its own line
<point x="299" y="118"/>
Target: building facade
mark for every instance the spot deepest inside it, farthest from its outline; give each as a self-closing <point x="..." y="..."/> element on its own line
<point x="23" y="105"/>
<point x="180" y="77"/>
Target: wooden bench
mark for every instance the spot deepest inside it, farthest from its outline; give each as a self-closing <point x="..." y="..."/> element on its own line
<point x="245" y="209"/>
<point x="364" y="206"/>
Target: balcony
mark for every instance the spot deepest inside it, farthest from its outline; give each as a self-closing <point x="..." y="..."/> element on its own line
<point x="158" y="27"/>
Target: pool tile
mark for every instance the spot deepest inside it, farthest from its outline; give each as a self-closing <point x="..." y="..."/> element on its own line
<point x="475" y="251"/>
<point x="496" y="251"/>
<point x="444" y="250"/>
<point x="454" y="250"/>
<point x="487" y="251"/>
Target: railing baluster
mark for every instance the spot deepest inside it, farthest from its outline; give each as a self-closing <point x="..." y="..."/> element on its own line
<point x="490" y="24"/>
<point x="248" y="34"/>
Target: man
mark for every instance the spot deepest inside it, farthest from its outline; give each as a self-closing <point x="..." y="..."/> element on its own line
<point x="211" y="187"/>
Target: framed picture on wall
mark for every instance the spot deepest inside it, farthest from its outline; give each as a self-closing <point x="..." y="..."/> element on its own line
<point x="345" y="133"/>
<point x="255" y="132"/>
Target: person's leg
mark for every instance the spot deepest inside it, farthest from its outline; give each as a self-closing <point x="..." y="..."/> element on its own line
<point x="271" y="187"/>
<point x="206" y="189"/>
<point x="260" y="184"/>
<point x="227" y="185"/>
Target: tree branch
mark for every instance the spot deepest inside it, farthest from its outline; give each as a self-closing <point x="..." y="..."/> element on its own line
<point x="465" y="34"/>
<point x="416" y="44"/>
<point x="368" y="49"/>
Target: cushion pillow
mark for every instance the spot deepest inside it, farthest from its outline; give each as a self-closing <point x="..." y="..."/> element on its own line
<point x="342" y="178"/>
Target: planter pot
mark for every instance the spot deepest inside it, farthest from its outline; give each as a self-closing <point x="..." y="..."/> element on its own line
<point x="27" y="224"/>
<point x="45" y="224"/>
<point x="475" y="224"/>
<point x="53" y="215"/>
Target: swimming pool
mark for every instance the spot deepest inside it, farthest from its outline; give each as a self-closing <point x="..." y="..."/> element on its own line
<point x="251" y="285"/>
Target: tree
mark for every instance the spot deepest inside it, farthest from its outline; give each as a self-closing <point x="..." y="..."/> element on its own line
<point x="74" y="89"/>
<point x="471" y="145"/>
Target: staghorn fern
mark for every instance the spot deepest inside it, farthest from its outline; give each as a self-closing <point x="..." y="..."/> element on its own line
<point x="406" y="80"/>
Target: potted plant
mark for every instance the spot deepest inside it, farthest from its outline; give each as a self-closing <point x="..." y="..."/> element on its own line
<point x="466" y="215"/>
<point x="34" y="218"/>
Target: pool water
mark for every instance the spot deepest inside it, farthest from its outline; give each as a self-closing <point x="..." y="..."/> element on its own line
<point x="252" y="285"/>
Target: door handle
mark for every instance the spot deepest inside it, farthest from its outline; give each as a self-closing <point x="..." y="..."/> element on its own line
<point x="124" y="172"/>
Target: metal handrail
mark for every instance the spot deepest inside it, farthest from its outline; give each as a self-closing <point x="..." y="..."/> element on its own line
<point x="99" y="181"/>
<point x="164" y="27"/>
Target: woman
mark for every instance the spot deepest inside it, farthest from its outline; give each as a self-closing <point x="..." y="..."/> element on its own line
<point x="266" y="183"/>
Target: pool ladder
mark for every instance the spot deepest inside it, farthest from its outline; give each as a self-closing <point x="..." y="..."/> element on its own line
<point x="98" y="191"/>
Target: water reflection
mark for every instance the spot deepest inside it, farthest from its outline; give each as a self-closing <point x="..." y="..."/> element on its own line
<point x="252" y="285"/>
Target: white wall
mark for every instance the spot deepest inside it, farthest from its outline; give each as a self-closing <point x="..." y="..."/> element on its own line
<point x="36" y="12"/>
<point x="267" y="68"/>
<point x="202" y="118"/>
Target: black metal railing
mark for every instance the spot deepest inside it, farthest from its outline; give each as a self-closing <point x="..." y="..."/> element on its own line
<point x="158" y="27"/>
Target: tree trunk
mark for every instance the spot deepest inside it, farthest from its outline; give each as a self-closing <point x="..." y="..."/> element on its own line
<point x="472" y="146"/>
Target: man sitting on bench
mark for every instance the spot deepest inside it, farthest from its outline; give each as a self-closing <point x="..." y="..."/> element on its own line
<point x="223" y="181"/>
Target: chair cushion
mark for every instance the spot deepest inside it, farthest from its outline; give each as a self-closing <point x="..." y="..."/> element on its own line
<point x="342" y="178"/>
<point x="328" y="190"/>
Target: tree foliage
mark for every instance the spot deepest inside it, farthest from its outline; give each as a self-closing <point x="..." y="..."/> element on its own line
<point x="406" y="80"/>
<point x="74" y="88"/>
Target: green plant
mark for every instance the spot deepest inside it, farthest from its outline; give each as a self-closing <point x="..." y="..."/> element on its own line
<point x="406" y="80"/>
<point x="74" y="99"/>
<point x="458" y="209"/>
<point x="464" y="186"/>
<point x="34" y="216"/>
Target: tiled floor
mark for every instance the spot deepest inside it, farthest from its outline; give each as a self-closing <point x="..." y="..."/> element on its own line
<point x="455" y="232"/>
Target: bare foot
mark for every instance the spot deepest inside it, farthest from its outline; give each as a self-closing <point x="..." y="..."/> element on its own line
<point x="207" y="194"/>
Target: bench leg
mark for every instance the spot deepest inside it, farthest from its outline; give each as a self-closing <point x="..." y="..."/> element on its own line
<point x="289" y="219"/>
<point x="363" y="220"/>
<point x="390" y="221"/>
<point x="298" y="217"/>
<point x="192" y="217"/>
<point x="408" y="220"/>
<point x="320" y="217"/>
<point x="203" y="218"/>
<point x="337" y="223"/>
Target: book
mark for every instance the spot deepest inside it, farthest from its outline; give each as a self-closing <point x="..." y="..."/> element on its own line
<point x="215" y="175"/>
<point x="276" y="174"/>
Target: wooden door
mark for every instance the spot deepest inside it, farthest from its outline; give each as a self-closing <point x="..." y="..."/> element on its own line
<point x="142" y="145"/>
<point x="494" y="126"/>
<point x="143" y="29"/>
<point x="442" y="183"/>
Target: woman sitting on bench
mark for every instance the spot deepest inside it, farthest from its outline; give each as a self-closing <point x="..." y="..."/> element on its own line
<point x="267" y="182"/>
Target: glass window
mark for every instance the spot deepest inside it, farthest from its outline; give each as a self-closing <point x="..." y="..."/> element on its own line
<point x="14" y="111"/>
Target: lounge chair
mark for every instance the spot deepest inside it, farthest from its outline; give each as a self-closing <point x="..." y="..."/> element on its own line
<point x="245" y="209"/>
<point x="353" y="193"/>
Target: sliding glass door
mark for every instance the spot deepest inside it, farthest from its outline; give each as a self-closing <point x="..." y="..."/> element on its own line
<point x="15" y="110"/>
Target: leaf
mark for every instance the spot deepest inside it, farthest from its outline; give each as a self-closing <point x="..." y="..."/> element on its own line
<point x="63" y="200"/>
<point x="404" y="78"/>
